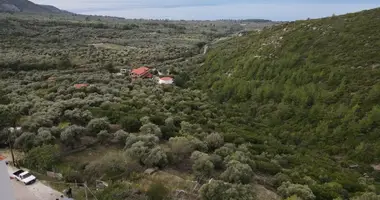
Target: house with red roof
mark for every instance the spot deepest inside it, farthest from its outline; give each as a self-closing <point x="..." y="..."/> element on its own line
<point x="166" y="80"/>
<point x="142" y="72"/>
<point x="79" y="86"/>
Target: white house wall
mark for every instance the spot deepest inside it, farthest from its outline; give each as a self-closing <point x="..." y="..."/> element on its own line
<point x="165" y="82"/>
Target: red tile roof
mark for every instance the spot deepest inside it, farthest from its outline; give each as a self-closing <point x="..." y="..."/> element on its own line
<point x="79" y="86"/>
<point x="140" y="71"/>
<point x="166" y="78"/>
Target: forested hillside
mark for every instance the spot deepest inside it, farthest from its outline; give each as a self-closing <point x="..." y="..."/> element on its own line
<point x="313" y="84"/>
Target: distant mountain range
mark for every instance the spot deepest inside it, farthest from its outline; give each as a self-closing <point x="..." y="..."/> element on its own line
<point x="27" y="6"/>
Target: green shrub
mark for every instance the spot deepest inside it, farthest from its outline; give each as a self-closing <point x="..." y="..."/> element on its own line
<point x="238" y="173"/>
<point x="327" y="191"/>
<point x="288" y="189"/>
<point x="367" y="196"/>
<point x="280" y="178"/>
<point x="130" y="124"/>
<point x="268" y="167"/>
<point x="225" y="191"/>
<point x="97" y="125"/>
<point x="157" y="191"/>
<point x="42" y="158"/>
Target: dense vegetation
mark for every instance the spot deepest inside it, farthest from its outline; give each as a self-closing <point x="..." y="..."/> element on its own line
<point x="311" y="85"/>
<point x="136" y="124"/>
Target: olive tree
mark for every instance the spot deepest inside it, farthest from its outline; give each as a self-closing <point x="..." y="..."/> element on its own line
<point x="145" y="120"/>
<point x="215" y="189"/>
<point x="96" y="125"/>
<point x="151" y="128"/>
<point x="55" y="131"/>
<point x="148" y="140"/>
<point x="131" y="139"/>
<point x="226" y="150"/>
<point x="214" y="140"/>
<point x="279" y="178"/>
<point x="42" y="158"/>
<point x="202" y="164"/>
<point x="187" y="128"/>
<point x="78" y="116"/>
<point x="26" y="141"/>
<point x="169" y="122"/>
<point x="220" y="190"/>
<point x="198" y="144"/>
<point x="130" y="124"/>
<point x="36" y="121"/>
<point x="103" y="136"/>
<point x="197" y="155"/>
<point x="7" y="116"/>
<point x="44" y="136"/>
<point x="138" y="151"/>
<point x="181" y="147"/>
<point x="156" y="157"/>
<point x="242" y="157"/>
<point x="71" y="135"/>
<point x="217" y="161"/>
<point x="121" y="136"/>
<point x="288" y="189"/>
<point x="237" y="172"/>
<point x="5" y="136"/>
<point x="367" y="196"/>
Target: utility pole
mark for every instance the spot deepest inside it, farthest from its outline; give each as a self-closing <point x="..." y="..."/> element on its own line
<point x="85" y="189"/>
<point x="13" y="156"/>
<point x="10" y="143"/>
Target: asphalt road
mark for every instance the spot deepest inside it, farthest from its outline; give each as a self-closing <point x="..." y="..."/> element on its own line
<point x="21" y="192"/>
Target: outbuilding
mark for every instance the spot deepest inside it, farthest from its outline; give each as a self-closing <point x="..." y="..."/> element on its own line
<point x="166" y="80"/>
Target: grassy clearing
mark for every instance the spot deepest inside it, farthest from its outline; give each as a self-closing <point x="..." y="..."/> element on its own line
<point x="88" y="155"/>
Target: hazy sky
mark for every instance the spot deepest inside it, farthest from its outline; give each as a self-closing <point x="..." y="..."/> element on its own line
<point x="214" y="9"/>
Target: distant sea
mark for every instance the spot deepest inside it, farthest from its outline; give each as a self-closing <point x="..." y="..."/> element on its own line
<point x="276" y="12"/>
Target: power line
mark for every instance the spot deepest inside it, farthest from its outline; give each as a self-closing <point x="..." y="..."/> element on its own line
<point x="61" y="182"/>
<point x="85" y="185"/>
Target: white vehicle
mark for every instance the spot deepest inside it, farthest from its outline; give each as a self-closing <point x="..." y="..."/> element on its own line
<point x="24" y="176"/>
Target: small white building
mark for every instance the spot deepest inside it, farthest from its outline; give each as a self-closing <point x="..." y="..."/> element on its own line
<point x="6" y="189"/>
<point x="166" y="80"/>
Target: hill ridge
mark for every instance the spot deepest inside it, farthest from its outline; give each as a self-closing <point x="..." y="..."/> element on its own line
<point x="27" y="6"/>
<point x="312" y="82"/>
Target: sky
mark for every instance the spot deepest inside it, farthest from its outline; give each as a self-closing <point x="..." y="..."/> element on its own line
<point x="277" y="10"/>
